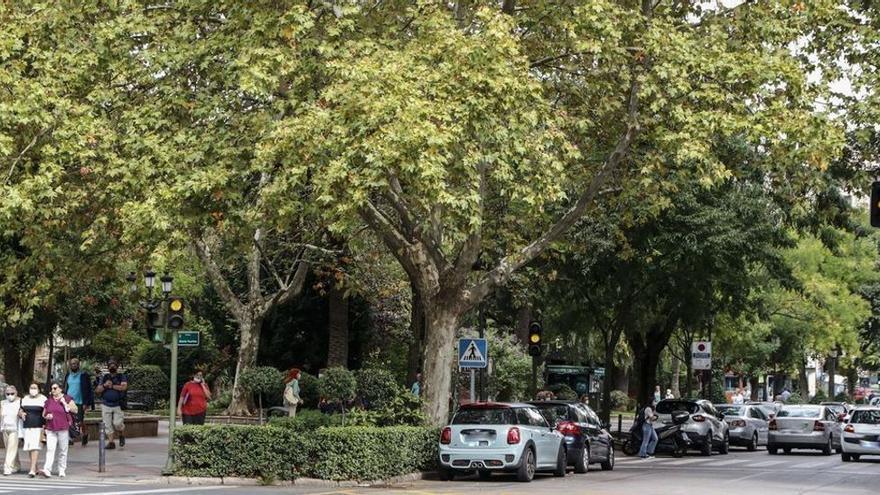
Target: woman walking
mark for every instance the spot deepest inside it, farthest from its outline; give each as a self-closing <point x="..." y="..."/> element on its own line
<point x="10" y="426"/>
<point x="59" y="411"/>
<point x="291" y="392"/>
<point x="193" y="404"/>
<point x="31" y="414"/>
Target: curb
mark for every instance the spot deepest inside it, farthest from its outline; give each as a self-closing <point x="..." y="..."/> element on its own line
<point x="305" y="482"/>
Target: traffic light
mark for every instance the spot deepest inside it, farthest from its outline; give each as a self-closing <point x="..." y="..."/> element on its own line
<point x="875" y="204"/>
<point x="175" y="313"/>
<point x="155" y="330"/>
<point x="535" y="339"/>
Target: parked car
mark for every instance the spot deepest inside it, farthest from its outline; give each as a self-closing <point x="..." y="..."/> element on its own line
<point x="861" y="434"/>
<point x="770" y="408"/>
<point x="748" y="424"/>
<point x="839" y="408"/>
<point x="489" y="436"/>
<point x="804" y="426"/>
<point x="705" y="428"/>
<point x="587" y="441"/>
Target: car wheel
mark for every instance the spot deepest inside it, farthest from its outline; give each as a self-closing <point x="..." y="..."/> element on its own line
<point x="526" y="471"/>
<point x="753" y="446"/>
<point x="772" y="450"/>
<point x="787" y="451"/>
<point x="826" y="450"/>
<point x="484" y="474"/>
<point x="845" y="457"/>
<point x="629" y="448"/>
<point x="725" y="445"/>
<point x="583" y="463"/>
<point x="856" y="457"/>
<point x="706" y="448"/>
<point x="561" y="463"/>
<point x="447" y="474"/>
<point x="608" y="465"/>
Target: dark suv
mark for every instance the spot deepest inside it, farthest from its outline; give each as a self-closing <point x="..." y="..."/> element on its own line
<point x="586" y="441"/>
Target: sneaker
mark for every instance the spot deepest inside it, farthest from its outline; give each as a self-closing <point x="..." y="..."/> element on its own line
<point x="7" y="473"/>
<point x="62" y="474"/>
<point x="111" y="446"/>
<point x="45" y="474"/>
<point x="121" y="441"/>
<point x="31" y="474"/>
<point x="650" y="457"/>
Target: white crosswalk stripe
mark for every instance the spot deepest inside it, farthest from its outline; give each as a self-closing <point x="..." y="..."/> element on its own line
<point x="38" y="486"/>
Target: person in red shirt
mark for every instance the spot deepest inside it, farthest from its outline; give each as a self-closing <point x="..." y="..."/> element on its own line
<point x="193" y="403"/>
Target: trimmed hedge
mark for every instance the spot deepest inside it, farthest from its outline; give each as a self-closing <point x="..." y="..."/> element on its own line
<point x="274" y="452"/>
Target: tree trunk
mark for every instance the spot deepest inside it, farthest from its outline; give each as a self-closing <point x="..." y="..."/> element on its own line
<point x="689" y="379"/>
<point x="249" y="344"/>
<point x="417" y="335"/>
<point x="523" y="318"/>
<point x="441" y="324"/>
<point x="831" y="369"/>
<point x="852" y="380"/>
<point x="753" y="385"/>
<point x="337" y="353"/>
<point x="646" y="357"/>
<point x="803" y="385"/>
<point x="19" y="366"/>
<point x="610" y="369"/>
<point x="676" y="377"/>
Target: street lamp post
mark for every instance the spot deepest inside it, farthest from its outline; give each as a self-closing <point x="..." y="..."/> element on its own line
<point x="152" y="304"/>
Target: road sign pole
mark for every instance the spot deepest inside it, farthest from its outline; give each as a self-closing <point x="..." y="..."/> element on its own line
<point x="172" y="405"/>
<point x="534" y="384"/>
<point x="473" y="385"/>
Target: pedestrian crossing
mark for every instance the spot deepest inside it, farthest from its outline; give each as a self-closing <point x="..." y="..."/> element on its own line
<point x="753" y="461"/>
<point x="23" y="485"/>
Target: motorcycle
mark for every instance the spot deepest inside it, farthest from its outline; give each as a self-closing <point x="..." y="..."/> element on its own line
<point x="670" y="438"/>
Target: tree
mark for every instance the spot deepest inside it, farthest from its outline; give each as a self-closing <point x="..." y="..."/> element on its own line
<point x="467" y="134"/>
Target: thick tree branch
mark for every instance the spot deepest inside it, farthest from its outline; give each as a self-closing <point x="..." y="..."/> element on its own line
<point x="206" y="256"/>
<point x="293" y="290"/>
<point x="470" y="250"/>
<point x="508" y="7"/>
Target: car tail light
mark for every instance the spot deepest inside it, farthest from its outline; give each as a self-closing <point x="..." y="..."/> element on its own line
<point x="738" y="423"/>
<point x="698" y="418"/>
<point x="772" y="425"/>
<point x="446" y="436"/>
<point x="513" y="436"/>
<point x="818" y="426"/>
<point x="568" y="428"/>
<point x="849" y="429"/>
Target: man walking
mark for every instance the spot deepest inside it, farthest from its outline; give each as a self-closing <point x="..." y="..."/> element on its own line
<point x="112" y="388"/>
<point x="78" y="385"/>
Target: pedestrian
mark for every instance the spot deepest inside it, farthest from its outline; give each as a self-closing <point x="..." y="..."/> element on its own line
<point x="112" y="389"/>
<point x="193" y="403"/>
<point x="669" y="394"/>
<point x="291" y="391"/>
<point x="10" y="426"/>
<point x="585" y="400"/>
<point x="738" y="397"/>
<point x="78" y="384"/>
<point x="785" y="394"/>
<point x="416" y="388"/>
<point x="657" y="395"/>
<point x="31" y="414"/>
<point x="59" y="414"/>
<point x="649" y="435"/>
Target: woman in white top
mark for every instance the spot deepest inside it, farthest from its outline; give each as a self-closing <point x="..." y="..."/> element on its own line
<point x="32" y="417"/>
<point x="10" y="424"/>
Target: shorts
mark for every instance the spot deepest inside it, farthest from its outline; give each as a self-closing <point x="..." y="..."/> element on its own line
<point x="113" y="418"/>
<point x="32" y="437"/>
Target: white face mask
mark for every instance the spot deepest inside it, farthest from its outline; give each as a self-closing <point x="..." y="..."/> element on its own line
<point x="10" y="397"/>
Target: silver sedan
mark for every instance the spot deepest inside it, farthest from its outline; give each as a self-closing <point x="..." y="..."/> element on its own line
<point x="748" y="424"/>
<point x="804" y="427"/>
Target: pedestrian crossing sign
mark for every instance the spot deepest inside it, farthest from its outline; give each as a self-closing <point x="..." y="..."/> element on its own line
<point x="472" y="353"/>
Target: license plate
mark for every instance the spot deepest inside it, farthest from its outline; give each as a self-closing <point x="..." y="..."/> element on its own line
<point x="484" y="443"/>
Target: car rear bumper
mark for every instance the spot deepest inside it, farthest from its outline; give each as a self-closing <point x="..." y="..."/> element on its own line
<point x="860" y="444"/>
<point x="811" y="440"/>
<point x="470" y="459"/>
<point x="740" y="436"/>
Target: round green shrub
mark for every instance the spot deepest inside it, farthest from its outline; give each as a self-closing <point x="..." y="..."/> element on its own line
<point x="307" y="420"/>
<point x="619" y="400"/>
<point x="820" y="396"/>
<point x="795" y="398"/>
<point x="563" y="391"/>
<point x="264" y="381"/>
<point x="338" y="385"/>
<point x="147" y="384"/>
<point x="309" y="390"/>
<point x="841" y="397"/>
<point x="377" y="387"/>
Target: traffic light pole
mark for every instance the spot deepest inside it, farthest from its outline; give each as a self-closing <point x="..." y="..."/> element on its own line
<point x="172" y="405"/>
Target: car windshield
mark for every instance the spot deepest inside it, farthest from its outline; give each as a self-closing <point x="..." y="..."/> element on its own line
<point x="732" y="410"/>
<point x="668" y="406"/>
<point x="554" y="412"/>
<point x="866" y="417"/>
<point x="484" y="416"/>
<point x="799" y="412"/>
<point x="836" y="408"/>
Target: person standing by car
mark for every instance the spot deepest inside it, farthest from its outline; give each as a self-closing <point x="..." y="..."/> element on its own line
<point x="193" y="403"/>
<point x="112" y="389"/>
<point x="669" y="394"/>
<point x="31" y="414"/>
<point x="649" y="436"/>
<point x="738" y="397"/>
<point x="10" y="424"/>
<point x="291" y="392"/>
<point x="78" y="385"/>
<point x="657" y="396"/>
<point x="58" y="412"/>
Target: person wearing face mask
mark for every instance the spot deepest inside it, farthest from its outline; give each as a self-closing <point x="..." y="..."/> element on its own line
<point x="31" y="414"/>
<point x="193" y="403"/>
<point x="58" y="412"/>
<point x="10" y="424"/>
<point x="112" y="388"/>
<point x="78" y="384"/>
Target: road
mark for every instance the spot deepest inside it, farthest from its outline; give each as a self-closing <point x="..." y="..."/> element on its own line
<point x="739" y="473"/>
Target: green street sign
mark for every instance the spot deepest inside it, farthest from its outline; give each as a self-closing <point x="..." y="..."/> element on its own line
<point x="188" y="338"/>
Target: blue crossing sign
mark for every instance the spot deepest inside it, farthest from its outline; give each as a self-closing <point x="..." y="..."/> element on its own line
<point x="473" y="353"/>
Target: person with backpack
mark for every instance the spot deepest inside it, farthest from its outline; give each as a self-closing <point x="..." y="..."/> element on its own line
<point x="10" y="426"/>
<point x="112" y="389"/>
<point x="78" y="384"/>
<point x="649" y="435"/>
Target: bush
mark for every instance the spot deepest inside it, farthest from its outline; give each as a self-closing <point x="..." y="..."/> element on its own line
<point x="562" y="391"/>
<point x="265" y="381"/>
<point x="404" y="410"/>
<point x="307" y="420"/>
<point x="820" y="396"/>
<point x="795" y="398"/>
<point x="841" y="397"/>
<point x="308" y="390"/>
<point x="619" y="400"/>
<point x="338" y="385"/>
<point x="377" y="387"/>
<point x="338" y="453"/>
<point x="147" y="384"/>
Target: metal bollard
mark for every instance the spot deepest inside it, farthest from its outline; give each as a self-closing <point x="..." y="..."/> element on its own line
<point x="102" y="460"/>
<point x="619" y="423"/>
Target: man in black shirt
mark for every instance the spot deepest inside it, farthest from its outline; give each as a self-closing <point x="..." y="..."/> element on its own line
<point x="112" y="389"/>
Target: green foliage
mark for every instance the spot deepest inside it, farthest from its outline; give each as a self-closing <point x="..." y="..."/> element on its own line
<point x="150" y="379"/>
<point x="562" y="391"/>
<point x="820" y="396"/>
<point x="337" y="384"/>
<point x="376" y="386"/>
<point x="281" y="452"/>
<point x="220" y="402"/>
<point x="795" y="398"/>
<point x="405" y="409"/>
<point x="511" y="367"/>
<point x="119" y="343"/>
<point x="263" y="380"/>
<point x="619" y="400"/>
<point x="309" y="390"/>
<point x="307" y="420"/>
<point x="841" y="397"/>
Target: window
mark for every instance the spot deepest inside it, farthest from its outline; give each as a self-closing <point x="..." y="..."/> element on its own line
<point x="484" y="416"/>
<point x="592" y="418"/>
<point x="866" y="417"/>
<point x="535" y="417"/>
<point x="799" y="412"/>
<point x="757" y="413"/>
<point x="668" y="406"/>
<point x="732" y="410"/>
<point x="554" y="412"/>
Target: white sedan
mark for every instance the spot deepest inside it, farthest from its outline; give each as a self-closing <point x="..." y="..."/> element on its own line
<point x="861" y="434"/>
